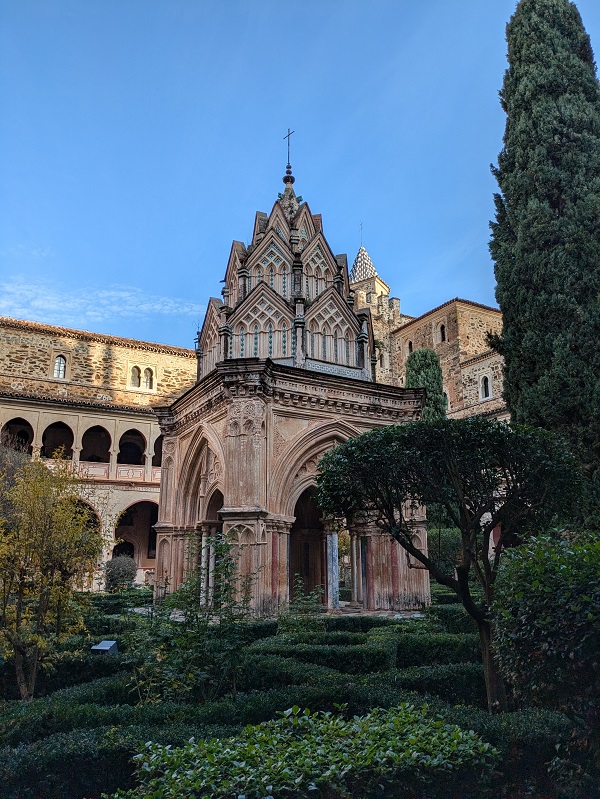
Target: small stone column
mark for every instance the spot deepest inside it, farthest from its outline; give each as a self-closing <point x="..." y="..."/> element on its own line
<point x="331" y="527"/>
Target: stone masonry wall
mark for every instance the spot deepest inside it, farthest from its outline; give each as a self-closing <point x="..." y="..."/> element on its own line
<point x="98" y="367"/>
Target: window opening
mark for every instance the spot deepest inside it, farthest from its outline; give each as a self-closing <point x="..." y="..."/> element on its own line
<point x="60" y="367"/>
<point x="271" y="278"/>
<point x="256" y="341"/>
<point x="136" y="377"/>
<point x="270" y="341"/>
<point x="324" y="347"/>
<point x="242" y="342"/>
<point x="284" y="339"/>
<point x="312" y="344"/>
<point x="485" y="387"/>
<point x="410" y="347"/>
<point x="442" y="332"/>
<point x="148" y="378"/>
<point x="347" y="350"/>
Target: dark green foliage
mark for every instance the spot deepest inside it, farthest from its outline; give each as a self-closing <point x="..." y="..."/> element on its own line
<point x="548" y="620"/>
<point x="113" y="604"/>
<point x="548" y="639"/>
<point x="423" y="370"/>
<point x="457" y="683"/>
<point x="441" y="595"/>
<point x="358" y="624"/>
<point x="417" y="649"/>
<point x="349" y="659"/>
<point x="85" y="763"/>
<point x="482" y="475"/>
<point x="120" y="573"/>
<point x="546" y="237"/>
<point x="452" y="618"/>
<point x="303" y="752"/>
<point x="261" y="672"/>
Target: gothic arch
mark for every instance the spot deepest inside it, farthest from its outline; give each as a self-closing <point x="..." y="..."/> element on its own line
<point x="286" y="481"/>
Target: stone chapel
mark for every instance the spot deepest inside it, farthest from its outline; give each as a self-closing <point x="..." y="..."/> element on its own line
<point x="287" y="368"/>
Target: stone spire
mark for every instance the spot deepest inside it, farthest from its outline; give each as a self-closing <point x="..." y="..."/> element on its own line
<point x="362" y="268"/>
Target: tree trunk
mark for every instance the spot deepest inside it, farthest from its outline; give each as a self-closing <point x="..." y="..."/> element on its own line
<point x="25" y="681"/>
<point x="494" y="684"/>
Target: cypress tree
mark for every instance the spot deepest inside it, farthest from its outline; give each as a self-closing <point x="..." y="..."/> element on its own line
<point x="423" y="370"/>
<point x="546" y="236"/>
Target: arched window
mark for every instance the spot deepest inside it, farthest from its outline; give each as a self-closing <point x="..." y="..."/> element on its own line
<point x="242" y="342"/>
<point x="60" y="367"/>
<point x="270" y="341"/>
<point x="148" y="379"/>
<point x="284" y="283"/>
<point x="312" y="344"/>
<point x="132" y="446"/>
<point x="410" y="347"/>
<point x="347" y="340"/>
<point x="284" y="339"/>
<point x="258" y="276"/>
<point x="307" y="287"/>
<point x="335" y="347"/>
<point x="136" y="377"/>
<point x="256" y="341"/>
<point x="324" y="346"/>
<point x="271" y="278"/>
<point x="485" y="392"/>
<point x="442" y="333"/>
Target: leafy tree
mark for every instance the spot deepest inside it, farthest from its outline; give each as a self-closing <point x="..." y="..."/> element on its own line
<point x="423" y="370"/>
<point x="49" y="540"/>
<point x="547" y="634"/>
<point x="546" y="235"/>
<point x="119" y="573"/>
<point x="487" y="476"/>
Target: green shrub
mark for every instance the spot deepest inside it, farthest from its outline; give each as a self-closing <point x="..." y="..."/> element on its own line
<point x="336" y="638"/>
<point x="114" y="604"/>
<point x="72" y="668"/>
<point x="119" y="573"/>
<point x="457" y="683"/>
<point x="358" y="624"/>
<point x="304" y="752"/>
<point x="261" y="672"/>
<point x="63" y="716"/>
<point x="349" y="659"/>
<point x="451" y="618"/>
<point x="427" y="649"/>
<point x="441" y="595"/>
<point x="83" y="763"/>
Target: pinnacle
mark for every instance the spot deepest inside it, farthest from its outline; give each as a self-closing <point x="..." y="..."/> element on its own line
<point x="362" y="268"/>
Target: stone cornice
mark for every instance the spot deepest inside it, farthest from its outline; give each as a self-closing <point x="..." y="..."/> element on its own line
<point x="290" y="387"/>
<point x="84" y="335"/>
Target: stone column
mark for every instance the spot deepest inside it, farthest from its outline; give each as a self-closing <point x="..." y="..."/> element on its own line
<point x="148" y="467"/>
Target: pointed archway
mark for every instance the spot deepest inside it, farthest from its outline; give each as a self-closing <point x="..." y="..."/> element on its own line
<point x="307" y="545"/>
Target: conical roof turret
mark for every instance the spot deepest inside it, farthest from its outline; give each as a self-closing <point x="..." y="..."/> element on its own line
<point x="362" y="268"/>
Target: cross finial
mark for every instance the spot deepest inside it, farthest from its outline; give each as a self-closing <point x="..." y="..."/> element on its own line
<point x="289" y="133"/>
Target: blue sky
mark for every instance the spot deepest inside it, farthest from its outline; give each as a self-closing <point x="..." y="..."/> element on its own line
<point x="139" y="137"/>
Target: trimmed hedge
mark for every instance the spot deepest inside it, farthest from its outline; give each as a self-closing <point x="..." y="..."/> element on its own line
<point x="85" y="763"/>
<point x="349" y="659"/>
<point x="452" y="618"/>
<point x="323" y="638"/>
<point x="261" y="672"/>
<point x="359" y="624"/>
<point x="419" y="649"/>
<point x="457" y="683"/>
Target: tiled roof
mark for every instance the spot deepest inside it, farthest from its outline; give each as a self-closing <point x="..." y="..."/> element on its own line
<point x="38" y="327"/>
<point x="362" y="268"/>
